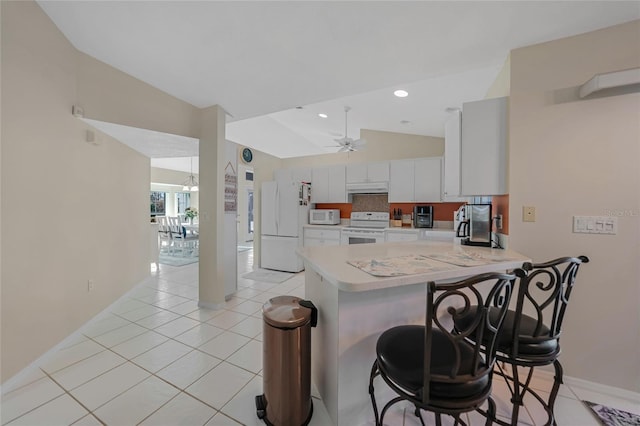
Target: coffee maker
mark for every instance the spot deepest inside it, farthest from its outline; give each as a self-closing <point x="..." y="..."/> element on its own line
<point x="474" y="225"/>
<point x="423" y="216"/>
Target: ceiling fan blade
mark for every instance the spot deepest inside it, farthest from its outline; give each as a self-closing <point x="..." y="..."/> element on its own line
<point x="345" y="149"/>
<point x="359" y="142"/>
<point x="344" y="141"/>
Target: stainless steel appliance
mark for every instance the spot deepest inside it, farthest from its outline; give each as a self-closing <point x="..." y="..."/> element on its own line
<point x="423" y="216"/>
<point x="475" y="229"/>
<point x="324" y="216"/>
<point x="365" y="228"/>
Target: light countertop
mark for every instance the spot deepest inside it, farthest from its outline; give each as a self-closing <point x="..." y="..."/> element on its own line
<point x="339" y="226"/>
<point x="331" y="262"/>
<point x="390" y="228"/>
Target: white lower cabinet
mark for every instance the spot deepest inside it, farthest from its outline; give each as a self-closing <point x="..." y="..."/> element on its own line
<point x="397" y="236"/>
<point x="321" y="237"/>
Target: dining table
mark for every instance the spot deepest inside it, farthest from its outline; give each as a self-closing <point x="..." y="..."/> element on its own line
<point x="191" y="228"/>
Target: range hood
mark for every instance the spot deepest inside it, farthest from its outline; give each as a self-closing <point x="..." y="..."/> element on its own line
<point x="368" y="188"/>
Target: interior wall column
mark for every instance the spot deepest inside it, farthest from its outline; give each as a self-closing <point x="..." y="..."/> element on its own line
<point x="211" y="202"/>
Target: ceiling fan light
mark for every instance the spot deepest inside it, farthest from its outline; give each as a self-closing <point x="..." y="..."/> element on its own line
<point x="401" y="93"/>
<point x="194" y="188"/>
<point x="185" y="188"/>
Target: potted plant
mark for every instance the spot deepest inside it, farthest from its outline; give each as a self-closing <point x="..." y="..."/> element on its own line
<point x="190" y="213"/>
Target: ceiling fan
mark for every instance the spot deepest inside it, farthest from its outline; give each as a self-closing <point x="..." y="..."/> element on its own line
<point x="346" y="143"/>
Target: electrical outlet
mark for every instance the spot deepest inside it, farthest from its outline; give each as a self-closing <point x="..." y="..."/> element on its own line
<point x="90" y="285"/>
<point x="528" y="214"/>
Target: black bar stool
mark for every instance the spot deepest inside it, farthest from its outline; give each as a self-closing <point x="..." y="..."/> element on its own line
<point x="532" y="331"/>
<point x="438" y="369"/>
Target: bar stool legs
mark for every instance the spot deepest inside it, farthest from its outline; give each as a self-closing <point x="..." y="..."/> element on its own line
<point x="519" y="388"/>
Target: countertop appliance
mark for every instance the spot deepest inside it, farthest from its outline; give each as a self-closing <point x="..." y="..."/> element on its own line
<point x="324" y="216"/>
<point x="475" y="229"/>
<point x="423" y="216"/>
<point x="284" y="210"/>
<point x="365" y="228"/>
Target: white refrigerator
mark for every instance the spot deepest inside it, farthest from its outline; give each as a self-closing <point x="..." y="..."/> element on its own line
<point x="282" y="218"/>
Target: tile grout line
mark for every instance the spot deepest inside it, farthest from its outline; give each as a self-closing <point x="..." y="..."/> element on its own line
<point x="75" y="399"/>
<point x="168" y="309"/>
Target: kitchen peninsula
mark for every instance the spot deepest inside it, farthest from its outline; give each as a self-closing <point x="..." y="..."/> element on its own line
<point x="355" y="307"/>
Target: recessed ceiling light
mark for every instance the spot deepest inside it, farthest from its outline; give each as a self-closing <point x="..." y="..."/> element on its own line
<point x="405" y="122"/>
<point x="299" y="107"/>
<point x="322" y="115"/>
<point x="401" y="93"/>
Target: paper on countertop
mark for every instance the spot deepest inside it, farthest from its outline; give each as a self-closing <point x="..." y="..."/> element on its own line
<point x="401" y="265"/>
<point x="460" y="258"/>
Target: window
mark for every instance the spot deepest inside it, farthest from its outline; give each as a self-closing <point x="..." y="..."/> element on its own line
<point x="183" y="200"/>
<point x="158" y="203"/>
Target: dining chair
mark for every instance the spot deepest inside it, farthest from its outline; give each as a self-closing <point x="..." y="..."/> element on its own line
<point x="186" y="243"/>
<point x="164" y="232"/>
<point x="531" y="336"/>
<point x="439" y="370"/>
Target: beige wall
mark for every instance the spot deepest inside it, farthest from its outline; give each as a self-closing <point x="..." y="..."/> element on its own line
<point x="380" y="146"/>
<point x="502" y="84"/>
<point x="70" y="210"/>
<point x="573" y="156"/>
<point x="107" y="94"/>
<point x="172" y="177"/>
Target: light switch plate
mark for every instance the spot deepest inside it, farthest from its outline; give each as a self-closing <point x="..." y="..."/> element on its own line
<point x="528" y="214"/>
<point x="595" y="225"/>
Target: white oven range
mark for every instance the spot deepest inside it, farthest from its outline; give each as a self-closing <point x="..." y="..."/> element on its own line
<point x="365" y="228"/>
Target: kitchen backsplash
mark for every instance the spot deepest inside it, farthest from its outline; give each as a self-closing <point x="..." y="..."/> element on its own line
<point x="442" y="212"/>
<point x="370" y="203"/>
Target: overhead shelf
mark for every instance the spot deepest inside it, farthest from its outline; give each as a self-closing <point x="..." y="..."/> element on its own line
<point x="610" y="80"/>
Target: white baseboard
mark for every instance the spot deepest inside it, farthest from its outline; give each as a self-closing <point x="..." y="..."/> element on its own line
<point x="17" y="380"/>
<point x="593" y="386"/>
<point x="604" y="389"/>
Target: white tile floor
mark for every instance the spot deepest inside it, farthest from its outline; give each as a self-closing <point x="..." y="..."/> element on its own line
<point x="157" y="359"/>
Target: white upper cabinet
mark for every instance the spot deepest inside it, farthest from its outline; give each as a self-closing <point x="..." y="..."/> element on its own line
<point x="302" y="174"/>
<point x="428" y="179"/>
<point x="328" y="184"/>
<point x="368" y="172"/>
<point x="401" y="181"/>
<point x="452" y="136"/>
<point x="483" y="149"/>
<point x="418" y="180"/>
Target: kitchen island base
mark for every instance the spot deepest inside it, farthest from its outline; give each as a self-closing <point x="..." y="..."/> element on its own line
<point x="349" y="325"/>
<point x="355" y="308"/>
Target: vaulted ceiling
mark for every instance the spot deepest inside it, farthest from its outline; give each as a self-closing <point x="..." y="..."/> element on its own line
<point x="260" y="60"/>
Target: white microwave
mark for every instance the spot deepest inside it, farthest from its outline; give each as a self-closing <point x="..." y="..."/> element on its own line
<point x="324" y="216"/>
